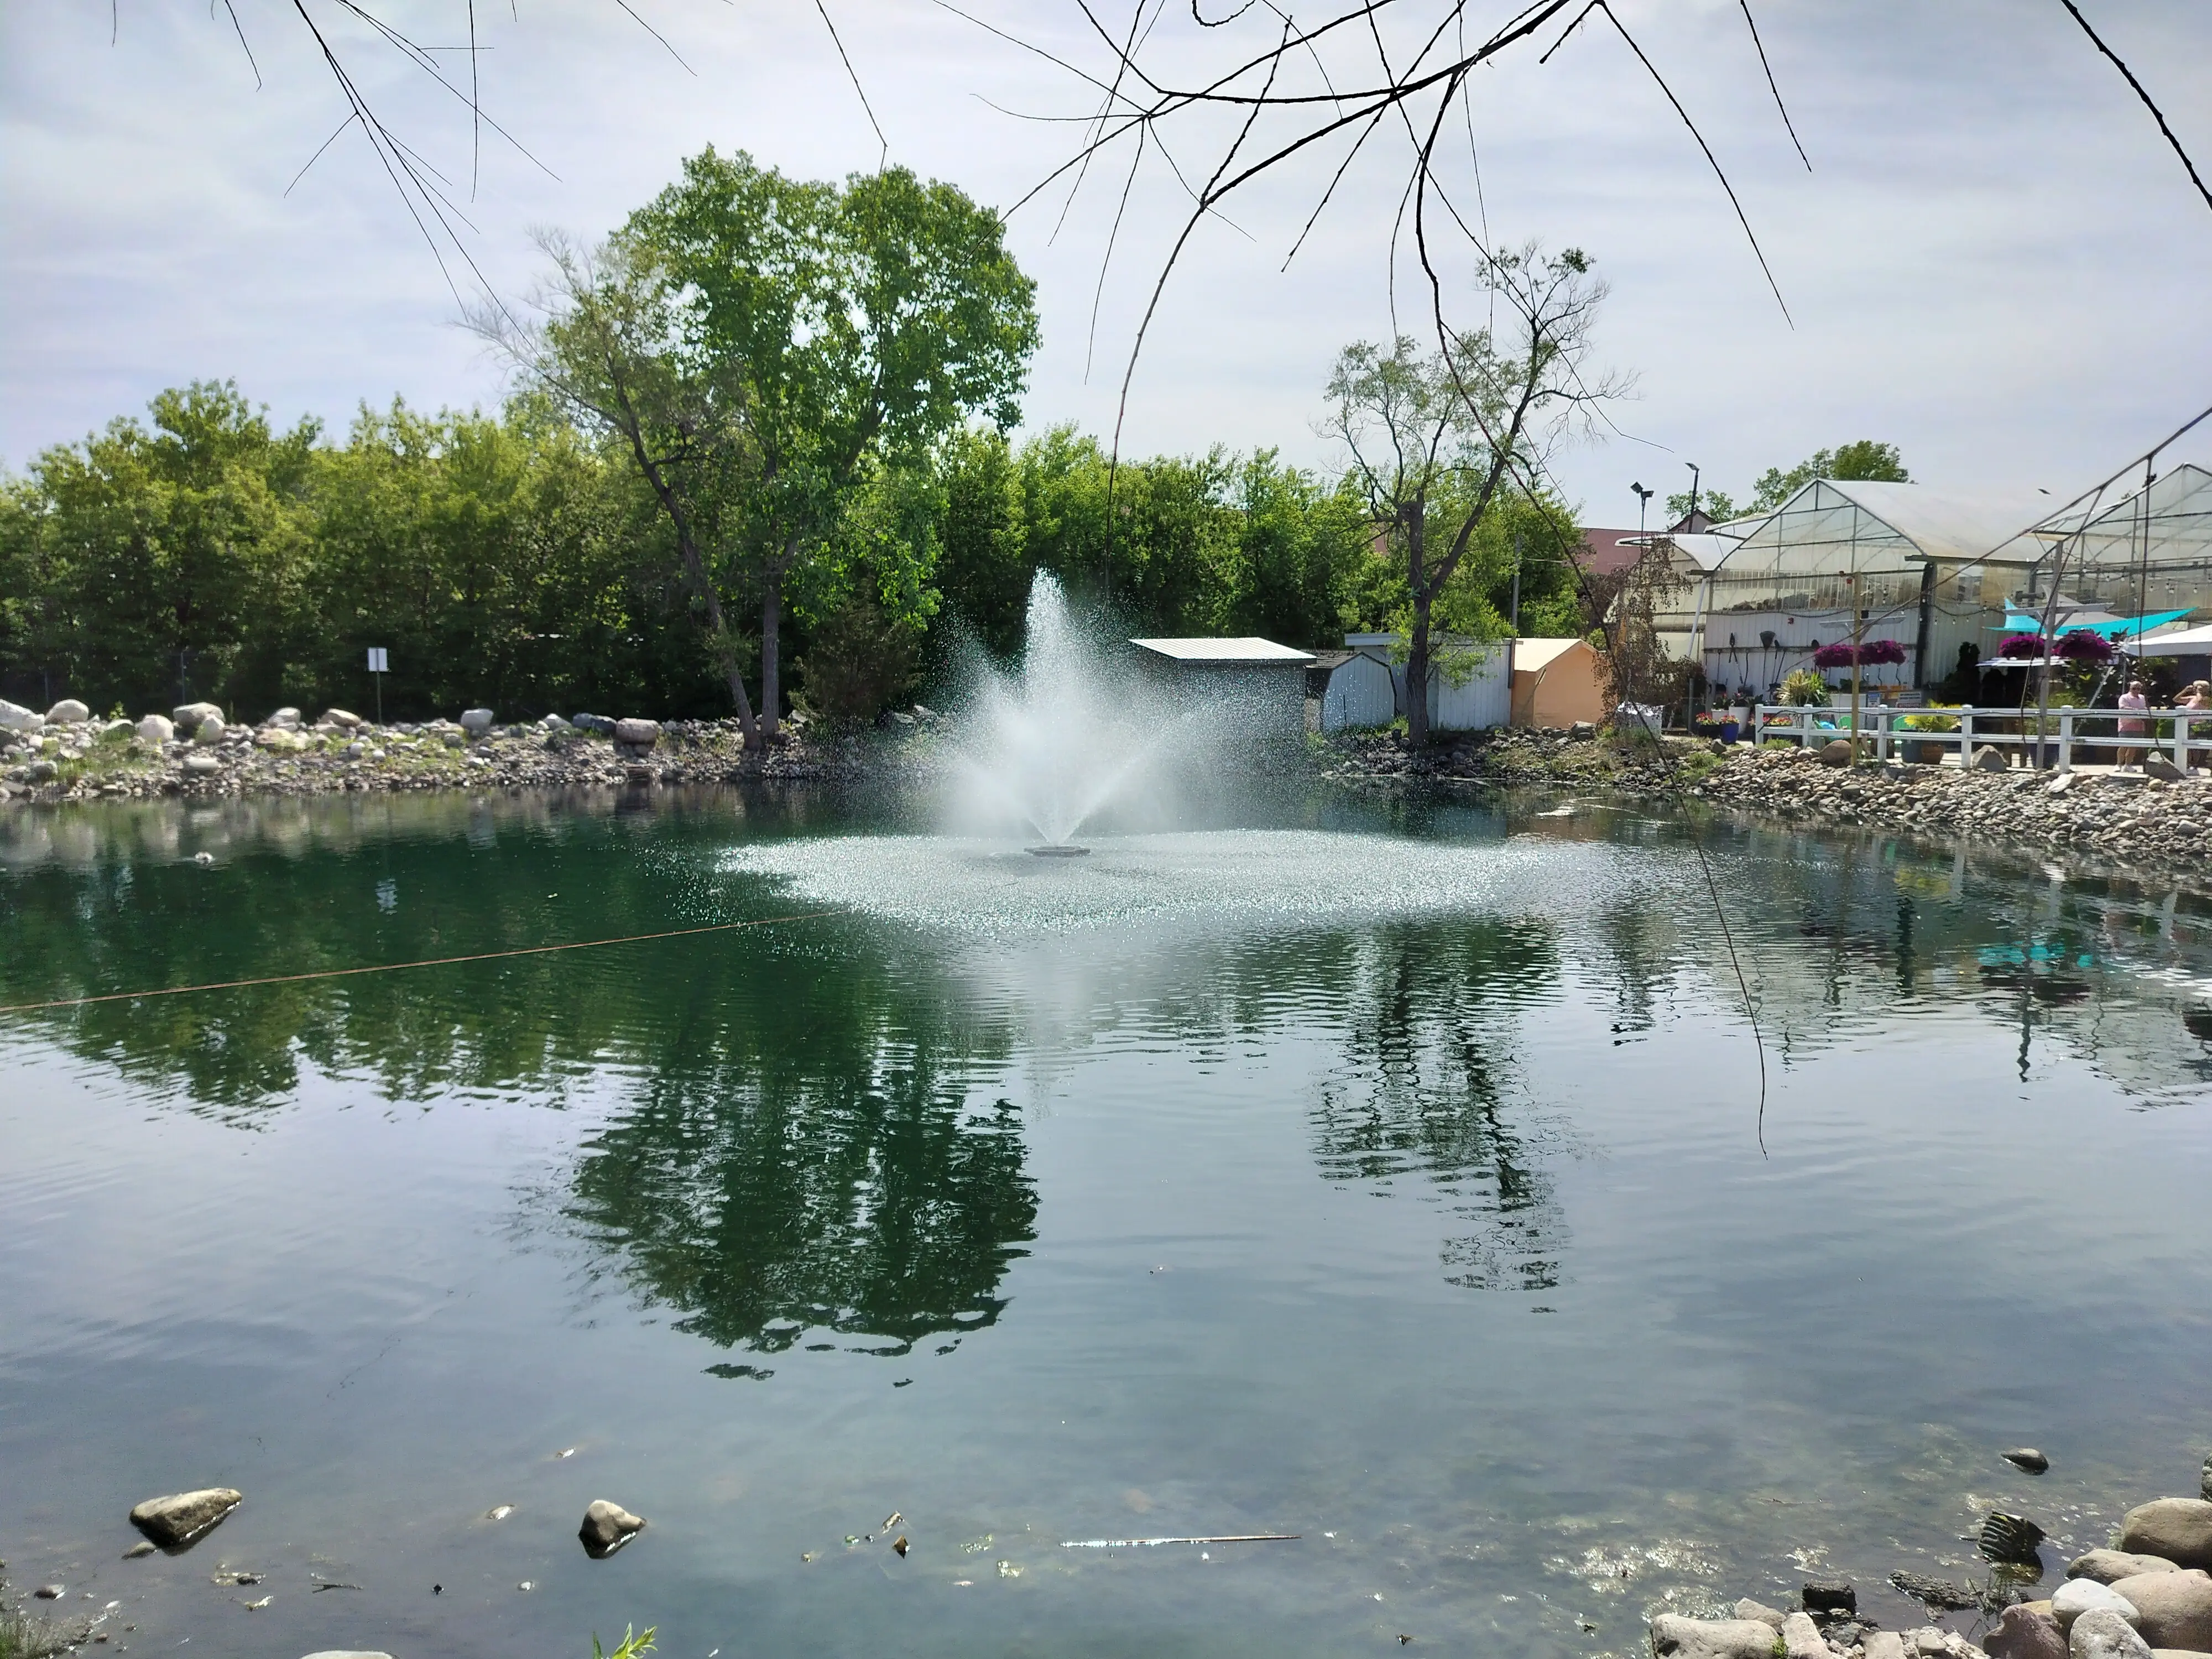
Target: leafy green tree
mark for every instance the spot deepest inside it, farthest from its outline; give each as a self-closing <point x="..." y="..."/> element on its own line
<point x="834" y="328"/>
<point x="154" y="559"/>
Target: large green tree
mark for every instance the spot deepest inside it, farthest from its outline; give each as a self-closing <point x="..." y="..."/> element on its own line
<point x="1864" y="458"/>
<point x="829" y="330"/>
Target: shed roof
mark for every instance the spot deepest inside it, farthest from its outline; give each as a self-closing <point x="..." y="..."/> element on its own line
<point x="1542" y="653"/>
<point x="1248" y="649"/>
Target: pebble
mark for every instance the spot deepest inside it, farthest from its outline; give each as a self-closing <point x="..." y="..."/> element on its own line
<point x="50" y="1592"/>
<point x="2027" y="1458"/>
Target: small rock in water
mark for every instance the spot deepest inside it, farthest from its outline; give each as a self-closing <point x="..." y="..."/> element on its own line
<point x="2178" y="1528"/>
<point x="50" y="1592"/>
<point x="499" y="1511"/>
<point x="2027" y="1458"/>
<point x="183" y="1516"/>
<point x="1829" y="1595"/>
<point x="141" y="1548"/>
<point x="607" y="1526"/>
<point x="2103" y="1634"/>
<point x="2078" y="1595"/>
<point x="2110" y="1566"/>
<point x="2024" y="1634"/>
<point x="1676" y="1637"/>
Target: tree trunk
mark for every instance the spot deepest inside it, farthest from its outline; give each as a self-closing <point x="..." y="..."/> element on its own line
<point x="1417" y="675"/>
<point x="771" y="662"/>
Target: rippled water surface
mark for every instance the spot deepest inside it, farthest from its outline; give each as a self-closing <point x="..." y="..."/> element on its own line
<point x="1386" y="1174"/>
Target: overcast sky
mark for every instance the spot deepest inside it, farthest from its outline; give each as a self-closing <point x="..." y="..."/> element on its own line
<point x="1995" y="262"/>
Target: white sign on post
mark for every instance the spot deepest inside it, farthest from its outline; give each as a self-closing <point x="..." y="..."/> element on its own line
<point x="377" y="662"/>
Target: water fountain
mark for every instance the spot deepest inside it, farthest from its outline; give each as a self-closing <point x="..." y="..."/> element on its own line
<point x="1050" y="745"/>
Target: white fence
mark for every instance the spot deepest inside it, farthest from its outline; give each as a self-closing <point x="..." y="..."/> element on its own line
<point x="2179" y="734"/>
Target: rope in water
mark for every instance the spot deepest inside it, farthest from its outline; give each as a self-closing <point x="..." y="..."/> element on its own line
<point x="398" y="967"/>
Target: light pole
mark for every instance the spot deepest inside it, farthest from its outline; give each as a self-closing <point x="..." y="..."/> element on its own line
<point x="1695" y="477"/>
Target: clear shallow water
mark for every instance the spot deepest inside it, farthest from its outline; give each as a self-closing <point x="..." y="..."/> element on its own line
<point x="1384" y="1174"/>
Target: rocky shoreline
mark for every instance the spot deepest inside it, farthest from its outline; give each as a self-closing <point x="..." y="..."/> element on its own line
<point x="66" y="754"/>
<point x="2163" y="819"/>
<point x="2148" y="1595"/>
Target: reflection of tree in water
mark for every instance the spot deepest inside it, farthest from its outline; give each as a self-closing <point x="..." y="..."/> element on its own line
<point x="1422" y="1094"/>
<point x="874" y="1202"/>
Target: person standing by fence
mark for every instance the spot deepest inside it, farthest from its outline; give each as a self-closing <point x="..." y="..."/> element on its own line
<point x="2199" y="696"/>
<point x="2133" y="697"/>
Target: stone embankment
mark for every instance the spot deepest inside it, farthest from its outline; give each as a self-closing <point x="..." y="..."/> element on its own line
<point x="2160" y="817"/>
<point x="66" y="755"/>
<point x="2127" y="818"/>
<point x="2149" y="1596"/>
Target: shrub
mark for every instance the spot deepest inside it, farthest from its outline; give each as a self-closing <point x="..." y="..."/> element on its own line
<point x="1804" y="689"/>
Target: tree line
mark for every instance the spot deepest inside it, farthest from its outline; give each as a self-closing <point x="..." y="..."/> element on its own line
<point x="767" y="419"/>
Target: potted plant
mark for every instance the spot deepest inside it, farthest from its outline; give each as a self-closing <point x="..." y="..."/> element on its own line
<point x="1929" y="753"/>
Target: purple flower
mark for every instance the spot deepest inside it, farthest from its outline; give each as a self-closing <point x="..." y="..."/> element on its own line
<point x="2022" y="645"/>
<point x="2083" y="645"/>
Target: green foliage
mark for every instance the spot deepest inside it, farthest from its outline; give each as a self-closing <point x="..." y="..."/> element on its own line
<point x="633" y="1644"/>
<point x="1865" y="458"/>
<point x="1804" y="688"/>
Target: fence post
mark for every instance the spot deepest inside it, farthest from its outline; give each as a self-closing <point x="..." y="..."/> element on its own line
<point x="2181" y="739"/>
<point x="2066" y="740"/>
<point x="1965" y="737"/>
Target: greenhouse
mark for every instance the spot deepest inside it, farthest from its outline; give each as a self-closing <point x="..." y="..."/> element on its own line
<point x="1928" y="569"/>
<point x="2146" y="555"/>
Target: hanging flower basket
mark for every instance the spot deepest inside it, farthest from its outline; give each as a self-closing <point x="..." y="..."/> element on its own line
<point x="2083" y="645"/>
<point x="1875" y="654"/>
<point x="2022" y="645"/>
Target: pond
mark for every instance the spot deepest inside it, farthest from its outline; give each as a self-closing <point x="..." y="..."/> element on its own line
<point x="1389" y="1172"/>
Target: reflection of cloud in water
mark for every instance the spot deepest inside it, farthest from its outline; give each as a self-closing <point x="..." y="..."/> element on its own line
<point x="1266" y="878"/>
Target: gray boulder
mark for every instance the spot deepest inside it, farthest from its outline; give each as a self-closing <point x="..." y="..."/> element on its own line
<point x="189" y="715"/>
<point x="1989" y="758"/>
<point x="182" y="1516"/>
<point x="607" y="1526"/>
<point x="1888" y="1644"/>
<point x="476" y="721"/>
<point x="1800" y="1637"/>
<point x="43" y="771"/>
<point x="344" y="719"/>
<point x="1676" y="1637"/>
<point x="2077" y="1596"/>
<point x="284" y="720"/>
<point x="2172" y="1609"/>
<point x="637" y="733"/>
<point x="67" y="712"/>
<point x="14" y="717"/>
<point x="1828" y="1596"/>
<point x="2110" y="1566"/>
<point x="2178" y="1528"/>
<point x="1836" y="752"/>
<point x="200" y="766"/>
<point x="2103" y="1634"/>
<point x="2023" y="1633"/>
<point x="2027" y="1457"/>
<point x="2156" y="765"/>
<point x="210" y="729"/>
<point x="1749" y="1608"/>
<point x="156" y="728"/>
<point x="555" y="723"/>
